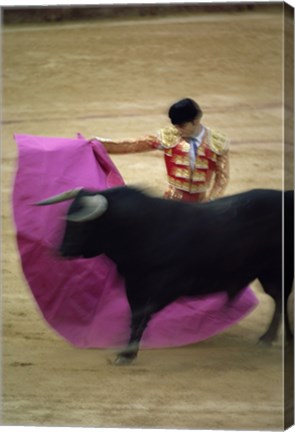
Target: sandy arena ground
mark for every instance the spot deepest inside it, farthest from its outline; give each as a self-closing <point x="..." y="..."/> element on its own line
<point x="116" y="79"/>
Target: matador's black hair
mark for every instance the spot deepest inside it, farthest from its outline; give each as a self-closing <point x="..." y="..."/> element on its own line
<point x="184" y="111"/>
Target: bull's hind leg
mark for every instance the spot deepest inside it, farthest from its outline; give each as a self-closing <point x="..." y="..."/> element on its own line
<point x="273" y="287"/>
<point x="288" y="332"/>
<point x="270" y="335"/>
<point x="288" y="279"/>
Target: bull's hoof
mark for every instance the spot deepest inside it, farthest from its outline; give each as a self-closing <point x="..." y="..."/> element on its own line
<point x="122" y="360"/>
<point x="266" y="343"/>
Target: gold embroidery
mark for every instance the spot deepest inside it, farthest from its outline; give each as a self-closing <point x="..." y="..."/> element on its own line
<point x="213" y="157"/>
<point x="187" y="186"/>
<point x="184" y="173"/>
<point x="218" y="142"/>
<point x="199" y="176"/>
<point x="180" y="160"/>
<point x="169" y="137"/>
<point x="221" y="177"/>
<point x="202" y="163"/>
<point x="201" y="151"/>
<point x="184" y="146"/>
<point x="173" y="193"/>
<point x="184" y="161"/>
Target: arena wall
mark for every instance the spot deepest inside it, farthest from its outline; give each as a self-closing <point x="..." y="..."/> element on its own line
<point x="21" y="15"/>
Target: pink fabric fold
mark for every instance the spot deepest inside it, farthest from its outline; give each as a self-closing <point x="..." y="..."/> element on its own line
<point x="84" y="301"/>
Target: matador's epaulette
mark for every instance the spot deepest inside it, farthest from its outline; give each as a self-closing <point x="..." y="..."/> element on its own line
<point x="169" y="137"/>
<point x="218" y="142"/>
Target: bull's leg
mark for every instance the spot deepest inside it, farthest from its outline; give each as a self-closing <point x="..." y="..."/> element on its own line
<point x="272" y="285"/>
<point x="287" y="291"/>
<point x="270" y="335"/>
<point x="288" y="332"/>
<point x="138" y="325"/>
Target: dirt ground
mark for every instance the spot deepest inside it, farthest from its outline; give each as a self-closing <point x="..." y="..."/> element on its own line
<point x="116" y="79"/>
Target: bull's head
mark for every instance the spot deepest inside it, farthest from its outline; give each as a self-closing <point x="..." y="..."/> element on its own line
<point x="85" y="209"/>
<point x="90" y="206"/>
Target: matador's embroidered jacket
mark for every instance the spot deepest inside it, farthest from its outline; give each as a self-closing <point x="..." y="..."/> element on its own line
<point x="196" y="175"/>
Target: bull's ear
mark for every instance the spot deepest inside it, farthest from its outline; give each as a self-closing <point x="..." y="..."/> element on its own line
<point x="65" y="196"/>
<point x="92" y="207"/>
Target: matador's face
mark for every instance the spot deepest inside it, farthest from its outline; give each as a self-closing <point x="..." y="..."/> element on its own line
<point x="188" y="129"/>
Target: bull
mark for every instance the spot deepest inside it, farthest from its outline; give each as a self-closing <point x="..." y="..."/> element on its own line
<point x="166" y="249"/>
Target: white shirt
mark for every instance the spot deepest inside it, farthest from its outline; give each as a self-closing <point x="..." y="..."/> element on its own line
<point x="195" y="143"/>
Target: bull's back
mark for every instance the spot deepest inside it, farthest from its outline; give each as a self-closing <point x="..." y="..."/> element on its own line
<point x="243" y="238"/>
<point x="255" y="222"/>
<point x="238" y="229"/>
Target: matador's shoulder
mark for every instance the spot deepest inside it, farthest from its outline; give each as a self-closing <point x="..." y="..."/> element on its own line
<point x="169" y="137"/>
<point x="218" y="142"/>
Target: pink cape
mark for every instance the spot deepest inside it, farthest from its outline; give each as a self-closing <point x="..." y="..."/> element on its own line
<point x="84" y="301"/>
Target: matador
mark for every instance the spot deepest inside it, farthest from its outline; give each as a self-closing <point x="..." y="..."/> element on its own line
<point x="196" y="157"/>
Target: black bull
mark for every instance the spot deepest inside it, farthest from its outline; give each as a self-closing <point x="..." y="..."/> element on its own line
<point x="167" y="249"/>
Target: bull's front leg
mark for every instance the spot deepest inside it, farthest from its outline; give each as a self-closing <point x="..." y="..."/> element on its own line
<point x="138" y="325"/>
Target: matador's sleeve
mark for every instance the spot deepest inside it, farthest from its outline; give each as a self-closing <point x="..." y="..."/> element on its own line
<point x="219" y="143"/>
<point x="221" y="178"/>
<point x="166" y="138"/>
<point x="130" y="145"/>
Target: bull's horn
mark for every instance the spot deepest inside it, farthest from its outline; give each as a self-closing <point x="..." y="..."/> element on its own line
<point x="93" y="207"/>
<point x="65" y="196"/>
